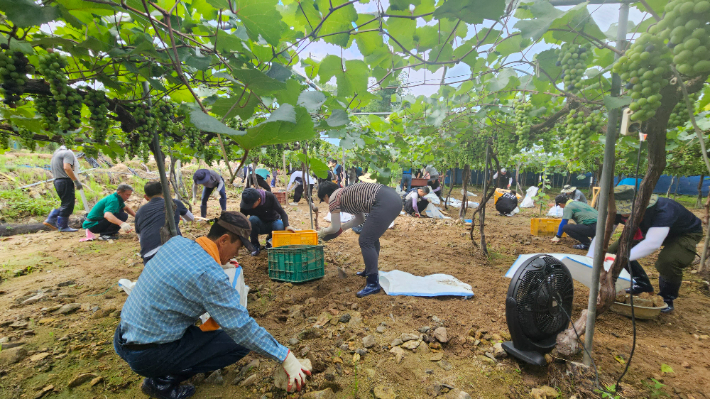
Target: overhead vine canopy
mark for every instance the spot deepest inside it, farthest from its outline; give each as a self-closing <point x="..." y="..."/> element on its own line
<point x="233" y="75"/>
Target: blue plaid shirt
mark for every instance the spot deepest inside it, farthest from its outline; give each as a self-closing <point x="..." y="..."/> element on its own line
<point x="179" y="284"/>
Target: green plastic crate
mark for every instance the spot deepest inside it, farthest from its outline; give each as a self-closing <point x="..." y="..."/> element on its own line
<point x="296" y="263"/>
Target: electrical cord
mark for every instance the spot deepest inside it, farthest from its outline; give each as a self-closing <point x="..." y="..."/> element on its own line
<point x="631" y="275"/>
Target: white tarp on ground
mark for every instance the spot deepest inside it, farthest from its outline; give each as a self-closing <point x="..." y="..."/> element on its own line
<point x="402" y="283"/>
<point x="470" y="194"/>
<point x="528" y="200"/>
<point x="555" y="212"/>
<point x="433" y="198"/>
<point x="580" y="267"/>
<point x="457" y="203"/>
<point x="434" y="212"/>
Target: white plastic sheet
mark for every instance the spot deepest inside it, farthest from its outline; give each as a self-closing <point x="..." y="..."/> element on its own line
<point x="580" y="267"/>
<point x="528" y="202"/>
<point x="470" y="194"/>
<point x="434" y="212"/>
<point x="432" y="197"/>
<point x="398" y="282"/>
<point x="344" y="217"/>
<point x="457" y="203"/>
<point x="555" y="212"/>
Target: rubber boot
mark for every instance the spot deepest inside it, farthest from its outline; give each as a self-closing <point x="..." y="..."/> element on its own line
<point x="372" y="286"/>
<point x="51" y="220"/>
<point x="63" y="225"/>
<point x="203" y="210"/>
<point x="166" y="388"/>
<point x="641" y="282"/>
<point x="669" y="291"/>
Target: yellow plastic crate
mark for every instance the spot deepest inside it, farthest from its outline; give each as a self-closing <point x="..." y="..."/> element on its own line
<point x="300" y="237"/>
<point x="544" y="226"/>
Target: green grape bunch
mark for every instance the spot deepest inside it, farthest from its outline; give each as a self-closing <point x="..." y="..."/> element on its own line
<point x="47" y="108"/>
<point x="147" y="125"/>
<point x="14" y="67"/>
<point x="646" y="68"/>
<point x="68" y="99"/>
<point x="27" y="138"/>
<point x="680" y="115"/>
<point x="573" y="60"/>
<point x="580" y="127"/>
<point x="686" y="26"/>
<point x="522" y="119"/>
<point x="97" y="103"/>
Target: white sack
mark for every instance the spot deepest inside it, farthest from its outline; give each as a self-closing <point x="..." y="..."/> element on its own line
<point x="528" y="202"/>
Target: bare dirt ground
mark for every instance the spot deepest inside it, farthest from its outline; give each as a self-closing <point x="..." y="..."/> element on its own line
<point x="59" y="348"/>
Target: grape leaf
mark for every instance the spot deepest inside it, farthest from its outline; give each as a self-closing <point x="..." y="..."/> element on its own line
<point x="338" y="118"/>
<point x="616" y="102"/>
<point x="471" y="11"/>
<point x="258" y="81"/>
<point x="26" y="13"/>
<point x="543" y="16"/>
<point x="278" y="131"/>
<point x="312" y="100"/>
<point x="211" y="124"/>
<point x="261" y="19"/>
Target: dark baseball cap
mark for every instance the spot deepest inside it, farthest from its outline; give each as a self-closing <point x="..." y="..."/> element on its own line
<point x="561" y="199"/>
<point x="249" y="197"/>
<point x="238" y="224"/>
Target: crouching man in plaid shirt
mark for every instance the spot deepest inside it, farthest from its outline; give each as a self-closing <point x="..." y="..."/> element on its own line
<point x="157" y="335"/>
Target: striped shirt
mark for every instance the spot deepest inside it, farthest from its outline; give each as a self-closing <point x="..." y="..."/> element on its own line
<point x="354" y="199"/>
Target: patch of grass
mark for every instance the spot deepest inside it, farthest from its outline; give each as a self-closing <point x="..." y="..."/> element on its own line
<point x="18" y="204"/>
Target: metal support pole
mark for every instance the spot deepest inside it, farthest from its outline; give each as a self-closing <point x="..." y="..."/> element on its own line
<point x="604" y="185"/>
<point x="169" y="215"/>
<point x="307" y="185"/>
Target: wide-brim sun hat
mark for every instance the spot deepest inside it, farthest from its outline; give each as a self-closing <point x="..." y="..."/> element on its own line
<point x="624" y="197"/>
<point x="201" y="176"/>
<point x="567" y="189"/>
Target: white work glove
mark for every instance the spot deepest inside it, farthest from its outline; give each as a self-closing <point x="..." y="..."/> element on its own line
<point x="555" y="239"/>
<point x="126" y="228"/>
<point x="295" y="372"/>
<point x="291" y="229"/>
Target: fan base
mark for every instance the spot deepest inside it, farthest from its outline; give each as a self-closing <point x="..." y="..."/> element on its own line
<point x="531" y="357"/>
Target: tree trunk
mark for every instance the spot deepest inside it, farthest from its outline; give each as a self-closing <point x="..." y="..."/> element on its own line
<point x="464" y="202"/>
<point x="670" y="186"/>
<point x="482" y="206"/>
<point x="656" y="130"/>
<point x="699" y="201"/>
<point x="451" y="187"/>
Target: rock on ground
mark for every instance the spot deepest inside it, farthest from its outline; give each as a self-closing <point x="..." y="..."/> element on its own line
<point x="369" y="341"/>
<point x="324" y="394"/>
<point x="81" y="379"/>
<point x="440" y="335"/>
<point x="457" y="394"/>
<point x="215" y="378"/>
<point x="69" y="308"/>
<point x="280" y="377"/>
<point x="383" y="392"/>
<point x="12" y="355"/>
<point x="544" y="392"/>
<point x="398" y="354"/>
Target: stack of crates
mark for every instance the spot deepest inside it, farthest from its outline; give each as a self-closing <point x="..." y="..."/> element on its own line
<point x="296" y="257"/>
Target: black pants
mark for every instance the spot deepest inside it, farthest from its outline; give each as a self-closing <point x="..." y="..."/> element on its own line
<point x="196" y="352"/>
<point x="581" y="232"/>
<point x="298" y="192"/>
<point x="384" y="211"/>
<point x="65" y="191"/>
<point x="104" y="227"/>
